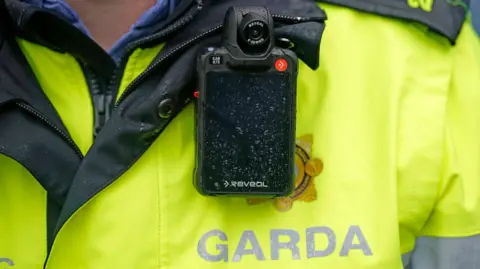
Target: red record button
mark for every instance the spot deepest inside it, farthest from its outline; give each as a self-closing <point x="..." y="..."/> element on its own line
<point x="281" y="65"/>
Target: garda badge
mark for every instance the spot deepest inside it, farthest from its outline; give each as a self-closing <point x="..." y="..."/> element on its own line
<point x="306" y="169"/>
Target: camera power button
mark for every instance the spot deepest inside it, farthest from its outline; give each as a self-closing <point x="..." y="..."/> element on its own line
<point x="281" y="65"/>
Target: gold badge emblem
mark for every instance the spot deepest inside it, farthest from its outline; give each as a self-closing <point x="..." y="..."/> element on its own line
<point x="306" y="169"/>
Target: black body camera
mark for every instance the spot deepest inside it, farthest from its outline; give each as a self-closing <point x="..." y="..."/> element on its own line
<point x="245" y="110"/>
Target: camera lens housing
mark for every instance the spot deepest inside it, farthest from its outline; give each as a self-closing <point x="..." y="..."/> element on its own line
<point x="254" y="33"/>
<point x="248" y="34"/>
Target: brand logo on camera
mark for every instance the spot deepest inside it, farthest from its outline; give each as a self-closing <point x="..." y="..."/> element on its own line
<point x="306" y="169"/>
<point x="241" y="184"/>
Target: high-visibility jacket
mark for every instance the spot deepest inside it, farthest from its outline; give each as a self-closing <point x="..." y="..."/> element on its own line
<point x="388" y="144"/>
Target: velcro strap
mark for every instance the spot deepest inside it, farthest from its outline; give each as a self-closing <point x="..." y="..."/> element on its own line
<point x="445" y="17"/>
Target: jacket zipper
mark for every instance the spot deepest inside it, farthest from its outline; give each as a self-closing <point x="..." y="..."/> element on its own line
<point x="29" y="109"/>
<point x="175" y="50"/>
<point x="103" y="94"/>
<point x="101" y="99"/>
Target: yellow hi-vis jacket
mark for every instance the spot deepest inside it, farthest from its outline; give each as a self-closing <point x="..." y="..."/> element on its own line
<point x="388" y="145"/>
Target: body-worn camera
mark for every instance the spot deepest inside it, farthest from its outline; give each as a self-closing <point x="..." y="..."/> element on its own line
<point x="245" y="110"/>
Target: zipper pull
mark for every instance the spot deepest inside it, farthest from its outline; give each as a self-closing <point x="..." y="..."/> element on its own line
<point x="103" y="104"/>
<point x="108" y="106"/>
<point x="100" y="111"/>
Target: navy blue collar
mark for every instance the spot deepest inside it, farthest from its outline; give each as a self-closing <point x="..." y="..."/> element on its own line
<point x="142" y="28"/>
<point x="47" y="28"/>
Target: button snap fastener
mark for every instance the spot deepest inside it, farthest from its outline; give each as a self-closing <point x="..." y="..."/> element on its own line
<point x="165" y="108"/>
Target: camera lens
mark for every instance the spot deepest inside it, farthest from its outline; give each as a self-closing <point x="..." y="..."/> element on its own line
<point x="254" y="31"/>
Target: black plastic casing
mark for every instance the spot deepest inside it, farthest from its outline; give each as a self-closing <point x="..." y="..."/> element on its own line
<point x="230" y="59"/>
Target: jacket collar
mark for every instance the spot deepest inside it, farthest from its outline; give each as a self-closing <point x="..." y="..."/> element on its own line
<point x="17" y="81"/>
<point x="46" y="28"/>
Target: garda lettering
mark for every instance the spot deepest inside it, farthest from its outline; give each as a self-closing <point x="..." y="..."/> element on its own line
<point x="283" y="239"/>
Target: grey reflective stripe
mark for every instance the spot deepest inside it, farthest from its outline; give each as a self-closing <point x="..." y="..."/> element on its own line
<point x="445" y="253"/>
<point x="406" y="260"/>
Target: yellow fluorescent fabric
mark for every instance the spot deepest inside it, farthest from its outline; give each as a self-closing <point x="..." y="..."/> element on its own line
<point x="458" y="210"/>
<point x="63" y="82"/>
<point x="145" y="204"/>
<point x="138" y="61"/>
<point x="23" y="206"/>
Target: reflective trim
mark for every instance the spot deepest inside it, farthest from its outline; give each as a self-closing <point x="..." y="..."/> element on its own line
<point x="444" y="253"/>
<point x="406" y="260"/>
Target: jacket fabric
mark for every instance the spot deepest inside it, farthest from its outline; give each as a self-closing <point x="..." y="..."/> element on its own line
<point x="97" y="160"/>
